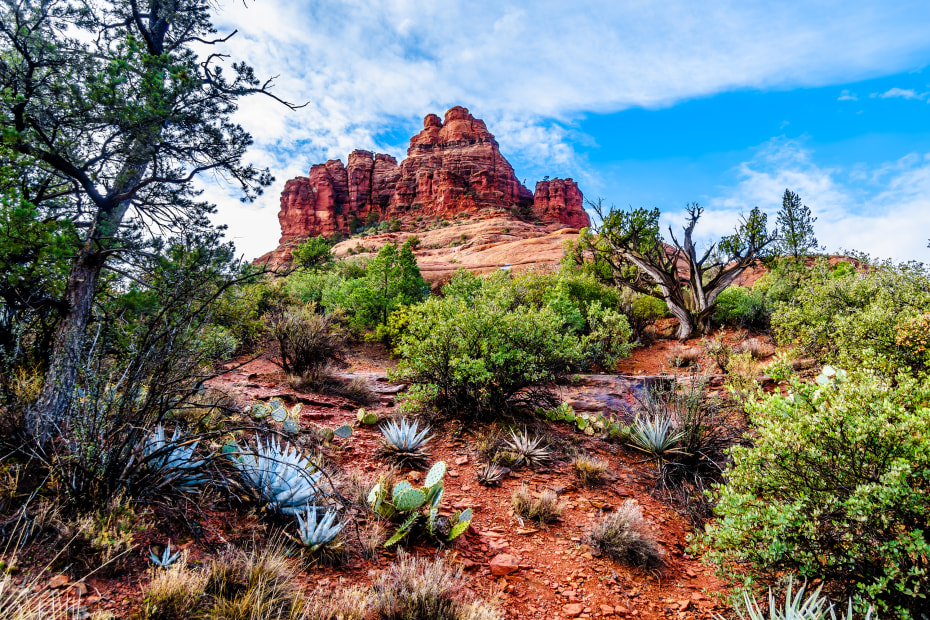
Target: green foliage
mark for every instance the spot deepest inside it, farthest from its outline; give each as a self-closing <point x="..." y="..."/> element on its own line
<point x="855" y="319"/>
<point x="796" y="607"/>
<point x="306" y="339"/>
<point x="835" y="486"/>
<point x="313" y="253"/>
<point x="795" y="228"/>
<point x="742" y="307"/>
<point x="476" y="349"/>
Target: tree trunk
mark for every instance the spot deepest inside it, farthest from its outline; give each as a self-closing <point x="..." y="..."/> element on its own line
<point x="685" y="320"/>
<point x="47" y="415"/>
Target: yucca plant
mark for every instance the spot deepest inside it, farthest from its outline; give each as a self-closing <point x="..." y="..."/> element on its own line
<point x="404" y="443"/>
<point x="528" y="449"/>
<point x="491" y="474"/>
<point x="166" y="558"/>
<point x="282" y="478"/>
<point x="796" y="607"/>
<point x="317" y="530"/>
<point x="655" y="435"/>
<point x="173" y="459"/>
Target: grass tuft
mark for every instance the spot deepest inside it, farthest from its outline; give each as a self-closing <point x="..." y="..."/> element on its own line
<point x="545" y="508"/>
<point x="624" y="537"/>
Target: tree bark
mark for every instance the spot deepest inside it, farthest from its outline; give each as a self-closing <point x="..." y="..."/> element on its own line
<point x="49" y="411"/>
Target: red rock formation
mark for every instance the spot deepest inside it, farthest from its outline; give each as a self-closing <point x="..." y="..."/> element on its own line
<point x="452" y="166"/>
<point x="560" y="200"/>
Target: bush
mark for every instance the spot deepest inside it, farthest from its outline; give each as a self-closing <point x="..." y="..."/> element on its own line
<point x="306" y="339"/>
<point x="836" y="486"/>
<point x="474" y="351"/>
<point x="644" y="311"/>
<point x="742" y="307"/>
<point x="416" y="589"/>
<point x="624" y="536"/>
<point x="544" y="508"/>
<point x="855" y="318"/>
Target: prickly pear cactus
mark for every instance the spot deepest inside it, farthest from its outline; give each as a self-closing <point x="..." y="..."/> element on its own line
<point x="367" y="418"/>
<point x="435" y="475"/>
<point x="290" y="425"/>
<point x="408" y="500"/>
<point x="344" y="431"/>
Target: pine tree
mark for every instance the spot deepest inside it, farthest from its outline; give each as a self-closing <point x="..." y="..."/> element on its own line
<point x="795" y="227"/>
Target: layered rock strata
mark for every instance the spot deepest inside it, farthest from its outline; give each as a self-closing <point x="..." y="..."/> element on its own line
<point x="453" y="166"/>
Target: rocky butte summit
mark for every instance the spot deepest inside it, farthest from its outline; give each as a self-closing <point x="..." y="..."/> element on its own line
<point x="454" y="167"/>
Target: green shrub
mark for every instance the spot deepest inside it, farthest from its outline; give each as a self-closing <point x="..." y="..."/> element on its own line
<point x="643" y="311"/>
<point x="608" y="339"/>
<point x="742" y="307"/>
<point x="218" y="343"/>
<point x="836" y="486"/>
<point x="855" y="318"/>
<point x="473" y="350"/>
<point x="313" y="253"/>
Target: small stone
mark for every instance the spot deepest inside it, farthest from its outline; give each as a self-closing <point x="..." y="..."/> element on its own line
<point x="79" y="588"/>
<point x="607" y="610"/>
<point x="503" y="564"/>
<point x="684" y="605"/>
<point x="58" y="581"/>
<point x="573" y="610"/>
<point x="461" y="460"/>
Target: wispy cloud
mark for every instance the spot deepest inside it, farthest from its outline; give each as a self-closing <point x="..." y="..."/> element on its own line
<point x="884" y="210"/>
<point x="529" y="69"/>
<point x="845" y="95"/>
<point x="901" y="93"/>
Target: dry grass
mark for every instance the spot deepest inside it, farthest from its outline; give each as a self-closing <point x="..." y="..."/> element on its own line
<point x="414" y="588"/>
<point x="545" y="508"/>
<point x="718" y="351"/>
<point x="337" y="604"/>
<point x="755" y="348"/>
<point x="324" y="380"/>
<point x="681" y="356"/>
<point x="589" y="469"/>
<point x="173" y="593"/>
<point x="253" y="585"/>
<point x="22" y="602"/>
<point x="624" y="536"/>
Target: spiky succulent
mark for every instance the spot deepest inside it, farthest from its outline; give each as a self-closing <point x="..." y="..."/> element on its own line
<point x="166" y="558"/>
<point x="528" y="449"/>
<point x="282" y="478"/>
<point x="173" y="459"/>
<point x="797" y="607"/>
<point x="404" y="442"/>
<point x="317" y="528"/>
<point x="490" y="474"/>
<point x="655" y="435"/>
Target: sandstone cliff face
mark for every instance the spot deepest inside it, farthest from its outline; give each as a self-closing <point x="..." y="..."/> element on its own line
<point x="453" y="166"/>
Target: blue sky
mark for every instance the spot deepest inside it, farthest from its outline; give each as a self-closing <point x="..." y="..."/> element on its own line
<point x="644" y="104"/>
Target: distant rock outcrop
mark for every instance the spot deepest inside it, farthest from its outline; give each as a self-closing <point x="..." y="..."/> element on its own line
<point x="453" y="166"/>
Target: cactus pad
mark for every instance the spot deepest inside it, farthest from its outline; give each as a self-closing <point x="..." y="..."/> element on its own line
<point x="435" y="475"/>
<point x="465" y="515"/>
<point x="279" y="414"/>
<point x="400" y="487"/>
<point x="344" y="431"/>
<point x="458" y="529"/>
<point x="408" y="500"/>
<point x="290" y="426"/>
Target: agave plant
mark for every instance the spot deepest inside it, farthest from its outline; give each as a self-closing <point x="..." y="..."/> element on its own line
<point x="283" y="478"/>
<point x="528" y="449"/>
<point x="404" y="443"/>
<point x="655" y="435"/>
<point x="316" y="532"/>
<point x="797" y="607"/>
<point x="173" y="459"/>
<point x="166" y="558"/>
<point x="491" y="474"/>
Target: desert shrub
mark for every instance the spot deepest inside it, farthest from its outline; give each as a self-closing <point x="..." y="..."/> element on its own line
<point x="608" y="338"/>
<point x="313" y="253"/>
<point x="258" y="583"/>
<point x="643" y="311"/>
<point x="835" y="486"/>
<point x="218" y="343"/>
<point x="544" y="507"/>
<point x="474" y="351"/>
<point x="172" y="594"/>
<point x="324" y="380"/>
<point x="755" y="348"/>
<point x="742" y="307"/>
<point x="681" y="356"/>
<point x="392" y="279"/>
<point x="306" y="340"/>
<point x="413" y="588"/>
<point x="855" y="318"/>
<point x="589" y="469"/>
<point x="100" y="542"/>
<point x="718" y="351"/>
<point x="796" y="606"/>
<point x="624" y="536"/>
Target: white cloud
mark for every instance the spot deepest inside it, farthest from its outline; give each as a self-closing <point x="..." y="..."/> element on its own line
<point x="847" y="96"/>
<point x="528" y="69"/>
<point x="883" y="210"/>
<point x="901" y="93"/>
